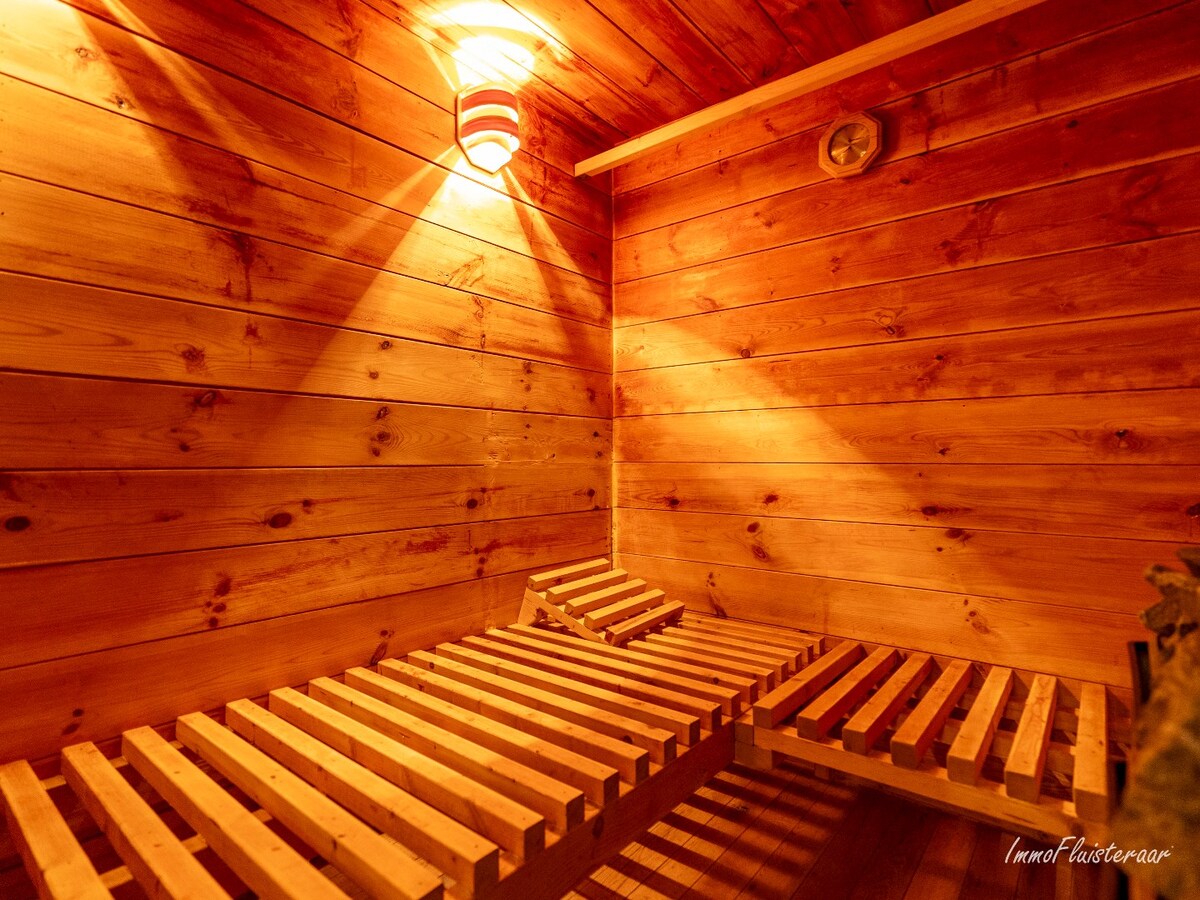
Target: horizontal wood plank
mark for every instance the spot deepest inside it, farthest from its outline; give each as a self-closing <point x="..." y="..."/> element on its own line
<point x="87" y="331"/>
<point x="1121" y="428"/>
<point x="212" y="589"/>
<point x="1087" y="644"/>
<point x="1126" y="131"/>
<point x="946" y="113"/>
<point x="1106" y="355"/>
<point x="132" y="511"/>
<point x="166" y="426"/>
<point x="998" y="232"/>
<point x="67" y="700"/>
<point x="1131" y="279"/>
<point x="1016" y="564"/>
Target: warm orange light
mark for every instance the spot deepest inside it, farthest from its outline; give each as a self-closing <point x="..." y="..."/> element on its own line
<point x="488" y="126"/>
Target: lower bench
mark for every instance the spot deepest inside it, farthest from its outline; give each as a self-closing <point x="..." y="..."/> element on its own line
<point x="1025" y="750"/>
<point x="504" y="765"/>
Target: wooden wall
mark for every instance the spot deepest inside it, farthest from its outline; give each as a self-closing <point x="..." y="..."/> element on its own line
<point x="284" y="385"/>
<point x="950" y="404"/>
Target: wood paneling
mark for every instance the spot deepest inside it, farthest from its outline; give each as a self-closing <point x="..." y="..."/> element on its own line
<point x="947" y="402"/>
<point x="286" y="383"/>
<point x="1095" y="573"/>
<point x="1081" y="643"/>
<point x="1032" y="31"/>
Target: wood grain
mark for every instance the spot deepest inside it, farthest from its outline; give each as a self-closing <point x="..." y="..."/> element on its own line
<point x="1149" y="200"/>
<point x="138" y="511"/>
<point x="53" y="326"/>
<point x="1138" y="427"/>
<point x="66" y="700"/>
<point x="1132" y="279"/>
<point x="1107" y="355"/>
<point x="206" y="591"/>
<point x="945" y="114"/>
<point x="105" y="424"/>
<point x="1079" y="643"/>
<point x="1149" y="503"/>
<point x="1023" y="34"/>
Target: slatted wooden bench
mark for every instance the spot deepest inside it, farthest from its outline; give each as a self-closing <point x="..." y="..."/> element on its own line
<point x="503" y="765"/>
<point x="1025" y="750"/>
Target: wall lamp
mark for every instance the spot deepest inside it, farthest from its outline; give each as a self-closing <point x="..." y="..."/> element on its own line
<point x="488" y="126"/>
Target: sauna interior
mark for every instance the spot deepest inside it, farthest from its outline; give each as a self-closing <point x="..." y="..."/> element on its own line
<point x="746" y="490"/>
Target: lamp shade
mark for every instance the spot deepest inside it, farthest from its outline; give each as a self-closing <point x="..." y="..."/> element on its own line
<point x="488" y="126"/>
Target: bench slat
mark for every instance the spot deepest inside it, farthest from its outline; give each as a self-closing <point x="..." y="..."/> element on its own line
<point x="472" y="861"/>
<point x="467" y="665"/>
<point x="622" y="666"/>
<point x="821" y="714"/>
<point x="715" y="650"/>
<point x="869" y="723"/>
<point x="156" y="858"/>
<point x="921" y="728"/>
<point x="598" y="782"/>
<point x="53" y="858"/>
<point x="631" y="763"/>
<point x="261" y="858"/>
<point x="560" y="804"/>
<point x="375" y="863"/>
<point x="763" y="676"/>
<point x="742" y="687"/>
<point x="585" y="603"/>
<point x="1093" y="799"/>
<point x="623" y="609"/>
<point x="543" y="580"/>
<point x="793" y="658"/>
<point x="561" y="593"/>
<point x="1027" y="759"/>
<point x="516" y="828"/>
<point x="685" y="725"/>
<point x="787" y="698"/>
<point x="630" y="628"/>
<point x="969" y="750"/>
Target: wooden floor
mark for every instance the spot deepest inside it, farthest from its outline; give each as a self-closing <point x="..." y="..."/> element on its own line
<point x="785" y="834"/>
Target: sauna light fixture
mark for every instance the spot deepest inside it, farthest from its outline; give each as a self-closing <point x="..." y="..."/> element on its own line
<point x="488" y="123"/>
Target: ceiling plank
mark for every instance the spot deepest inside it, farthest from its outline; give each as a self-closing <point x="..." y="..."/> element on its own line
<point x="925" y="33"/>
<point x="671" y="38"/>
<point x="876" y="19"/>
<point x="818" y="29"/>
<point x="746" y="35"/>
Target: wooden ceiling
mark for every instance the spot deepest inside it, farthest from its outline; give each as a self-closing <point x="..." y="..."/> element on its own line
<point x="618" y="68"/>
